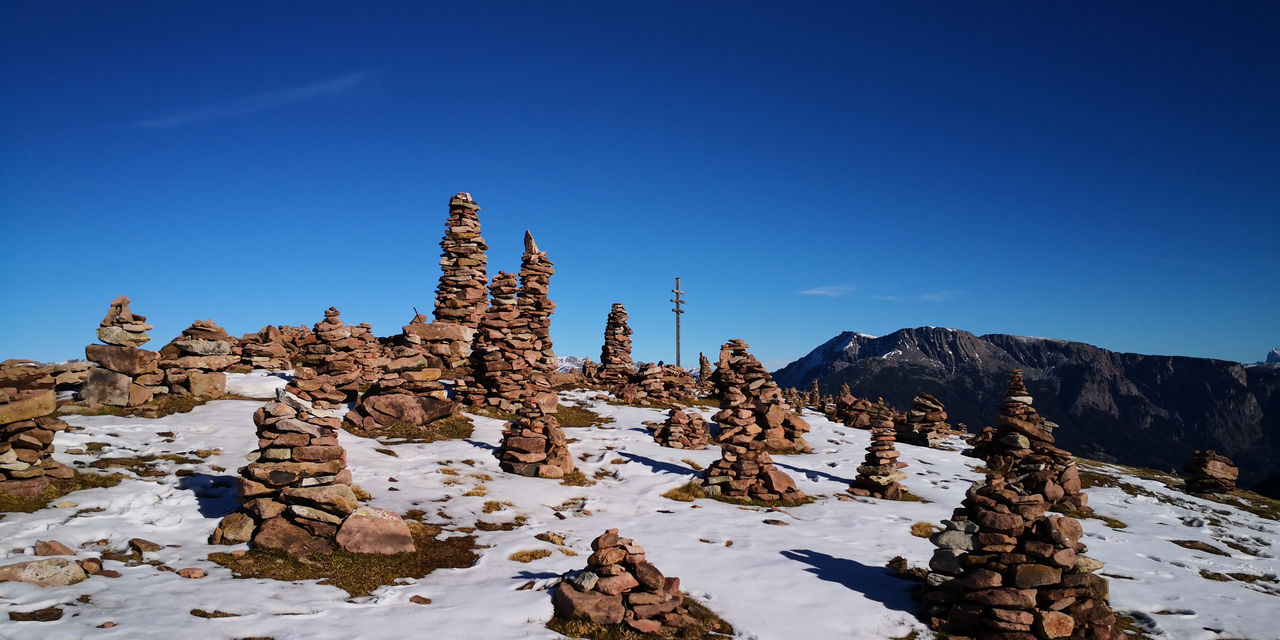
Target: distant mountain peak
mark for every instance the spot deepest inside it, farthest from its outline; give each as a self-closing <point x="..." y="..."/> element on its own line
<point x="1274" y="356"/>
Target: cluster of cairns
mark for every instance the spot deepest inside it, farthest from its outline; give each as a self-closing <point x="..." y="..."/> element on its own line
<point x="27" y="399"/>
<point x="619" y="586"/>
<point x="295" y="494"/>
<point x="615" y="356"/>
<point x="879" y="475"/>
<point x="1005" y="570"/>
<point x="1209" y="472"/>
<point x="120" y="362"/>
<point x="193" y="364"/>
<point x="462" y="295"/>
<point x="683" y="430"/>
<point x="1021" y="448"/>
<point x="752" y="419"/>
<point x="925" y="424"/>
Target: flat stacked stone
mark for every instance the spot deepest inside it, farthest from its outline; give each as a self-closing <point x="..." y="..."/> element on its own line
<point x="501" y="373"/>
<point x="69" y="375"/>
<point x="1022" y="449"/>
<point x="683" y="430"/>
<point x="1210" y="472"/>
<point x="448" y="341"/>
<point x="925" y="424"/>
<point x="408" y="394"/>
<point x="615" y="355"/>
<point x="295" y="493"/>
<point x="193" y="364"/>
<point x="745" y="469"/>
<point x="879" y="475"/>
<point x="619" y="586"/>
<point x="27" y="399"/>
<point x="738" y="373"/>
<point x="333" y="354"/>
<point x="535" y="311"/>
<point x="462" y="295"/>
<point x="268" y="349"/>
<point x="120" y="361"/>
<point x="1004" y="569"/>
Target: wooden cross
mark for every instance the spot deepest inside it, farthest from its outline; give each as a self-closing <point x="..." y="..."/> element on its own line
<point x="679" y="312"/>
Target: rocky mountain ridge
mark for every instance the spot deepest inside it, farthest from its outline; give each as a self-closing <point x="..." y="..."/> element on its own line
<point x="1145" y="410"/>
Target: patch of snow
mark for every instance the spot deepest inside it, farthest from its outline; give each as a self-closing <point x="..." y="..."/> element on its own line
<point x="258" y="383"/>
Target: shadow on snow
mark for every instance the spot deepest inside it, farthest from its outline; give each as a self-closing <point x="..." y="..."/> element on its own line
<point x="876" y="583"/>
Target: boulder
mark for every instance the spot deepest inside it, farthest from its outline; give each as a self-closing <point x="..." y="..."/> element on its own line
<point x="373" y="530"/>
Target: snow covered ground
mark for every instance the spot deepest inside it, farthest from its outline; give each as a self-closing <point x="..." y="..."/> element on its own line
<point x="819" y="576"/>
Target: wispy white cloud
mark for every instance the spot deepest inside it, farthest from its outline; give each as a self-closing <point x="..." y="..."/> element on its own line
<point x="261" y="102"/>
<point x="937" y="296"/>
<point x="830" y="292"/>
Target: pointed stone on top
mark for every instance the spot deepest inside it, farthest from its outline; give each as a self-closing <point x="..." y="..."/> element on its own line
<point x="529" y="245"/>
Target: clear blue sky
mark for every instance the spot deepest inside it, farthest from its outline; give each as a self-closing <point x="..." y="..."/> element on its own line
<point x="1100" y="171"/>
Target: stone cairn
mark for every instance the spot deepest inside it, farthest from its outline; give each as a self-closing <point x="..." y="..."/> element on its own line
<point x="533" y="445"/>
<point x="683" y="430"/>
<point x="615" y="355"/>
<point x="738" y="373"/>
<point x="267" y="349"/>
<point x="879" y="475"/>
<point x="407" y="394"/>
<point x="619" y="586"/>
<point x="369" y="353"/>
<point x="462" y="296"/>
<point x="1004" y="569"/>
<point x="658" y="382"/>
<point x="1211" y="472"/>
<point x="501" y="372"/>
<point x="589" y="370"/>
<point x="449" y="342"/>
<point x="815" y="398"/>
<point x="704" y="373"/>
<point x="120" y="361"/>
<point x="193" y="364"/>
<point x="26" y="429"/>
<point x="1021" y="448"/>
<point x="333" y="355"/>
<point x="925" y="423"/>
<point x="295" y="493"/>
<point x="535" y="312"/>
<point x="748" y="426"/>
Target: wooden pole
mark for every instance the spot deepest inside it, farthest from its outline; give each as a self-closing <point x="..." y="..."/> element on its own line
<point x="679" y="312"/>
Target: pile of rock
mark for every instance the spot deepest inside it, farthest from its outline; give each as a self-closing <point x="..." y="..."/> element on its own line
<point x="615" y="355"/>
<point x="447" y="341"/>
<point x="194" y="362"/>
<point x="815" y="397"/>
<point x="683" y="430"/>
<point x="341" y="352"/>
<point x="534" y="446"/>
<point x="69" y="375"/>
<point x="1005" y="569"/>
<point x="26" y="428"/>
<point x="658" y="382"/>
<point x="589" y="370"/>
<point x="502" y="373"/>
<point x="704" y="373"/>
<point x="462" y="296"/>
<point x="295" y="493"/>
<point x="120" y="361"/>
<point x="743" y="384"/>
<point x="879" y="475"/>
<point x="1021" y="448"/>
<point x="1211" y="472"/>
<point x="619" y="586"/>
<point x="269" y="349"/>
<point x="408" y="394"/>
<point x="925" y="423"/>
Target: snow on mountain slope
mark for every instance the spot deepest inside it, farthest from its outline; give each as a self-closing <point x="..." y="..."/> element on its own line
<point x="822" y="574"/>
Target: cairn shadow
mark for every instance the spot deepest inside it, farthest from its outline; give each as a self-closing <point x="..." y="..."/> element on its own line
<point x="481" y="445"/>
<point x="216" y="496"/>
<point x="811" y="472"/>
<point x="876" y="583"/>
<point x="536" y="575"/>
<point x="658" y="465"/>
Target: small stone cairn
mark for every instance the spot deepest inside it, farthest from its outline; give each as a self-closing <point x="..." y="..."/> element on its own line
<point x="534" y="446"/>
<point x="408" y="394"/>
<point x="267" y="349"/>
<point x="658" y="382"/>
<point x="1021" y="447"/>
<point x="879" y="475"/>
<point x="120" y="361"/>
<point x="589" y="370"/>
<point x="193" y="364"/>
<point x="704" y="373"/>
<point x="738" y="373"/>
<point x="447" y="341"/>
<point x="683" y="430"/>
<point x="619" y="586"/>
<point x="745" y="469"/>
<point x="1004" y="569"/>
<point x="334" y="353"/>
<point x="295" y="493"/>
<point x="462" y="296"/>
<point x="26" y="429"/>
<point x="815" y="397"/>
<point x="615" y="355"/>
<point x="925" y="423"/>
<point x="1210" y="472"/>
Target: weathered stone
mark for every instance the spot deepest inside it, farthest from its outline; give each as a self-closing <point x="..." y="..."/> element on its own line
<point x="50" y="572"/>
<point x="597" y="607"/>
<point x="372" y="530"/>
<point x="279" y="534"/>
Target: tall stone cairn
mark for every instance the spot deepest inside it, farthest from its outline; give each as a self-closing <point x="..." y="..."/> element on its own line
<point x="1022" y="449"/>
<point x="879" y="475"/>
<point x="925" y="423"/>
<point x="815" y="397"/>
<point x="1210" y="472"/>
<point x="120" y="361"/>
<point x="619" y="586"/>
<point x="27" y="399"/>
<point x="615" y="355"/>
<point x="683" y="430"/>
<point x="535" y="311"/>
<point x="501" y="372"/>
<point x="462" y="296"/>
<point x="295" y="494"/>
<point x="748" y="425"/>
<point x="193" y="363"/>
<point x="704" y="373"/>
<point x="1004" y="569"/>
<point x="738" y="373"/>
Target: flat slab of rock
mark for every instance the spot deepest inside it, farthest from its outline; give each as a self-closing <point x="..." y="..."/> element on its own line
<point x="373" y="530"/>
<point x="50" y="572"/>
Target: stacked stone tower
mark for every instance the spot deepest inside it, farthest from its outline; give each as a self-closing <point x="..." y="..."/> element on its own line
<point x="26" y="428"/>
<point x="502" y="373"/>
<point x="115" y="382"/>
<point x="535" y="310"/>
<point x="615" y="355"/>
<point x="879" y="475"/>
<point x="739" y="374"/>
<point x="462" y="296"/>
<point x="925" y="423"/>
<point x="194" y="362"/>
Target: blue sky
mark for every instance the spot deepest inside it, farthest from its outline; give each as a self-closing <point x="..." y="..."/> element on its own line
<point x="1103" y="172"/>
